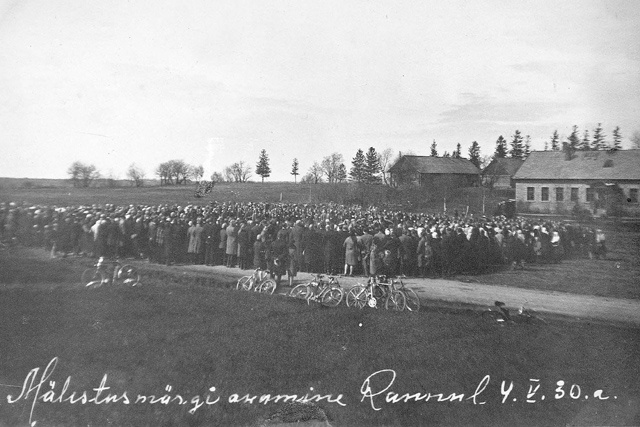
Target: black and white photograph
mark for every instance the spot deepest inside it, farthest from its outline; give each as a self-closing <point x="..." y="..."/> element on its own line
<point x="319" y="213"/>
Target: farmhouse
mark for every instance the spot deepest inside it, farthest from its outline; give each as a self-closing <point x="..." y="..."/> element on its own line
<point x="500" y="172"/>
<point x="604" y="182"/>
<point x="429" y="170"/>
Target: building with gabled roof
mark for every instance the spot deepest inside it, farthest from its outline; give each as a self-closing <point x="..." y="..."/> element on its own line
<point x="426" y="170"/>
<point x="500" y="172"/>
<point x="553" y="182"/>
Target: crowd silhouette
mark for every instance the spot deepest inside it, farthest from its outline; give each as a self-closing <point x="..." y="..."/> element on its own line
<point x="287" y="238"/>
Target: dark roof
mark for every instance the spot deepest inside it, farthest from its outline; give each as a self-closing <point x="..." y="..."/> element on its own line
<point x="503" y="166"/>
<point x="547" y="165"/>
<point x="429" y="164"/>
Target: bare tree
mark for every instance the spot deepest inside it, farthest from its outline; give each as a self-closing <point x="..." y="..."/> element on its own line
<point x="82" y="175"/>
<point x="331" y="166"/>
<point x="217" y="177"/>
<point x="163" y="171"/>
<point x="314" y="175"/>
<point x="135" y="175"/>
<point x="181" y="171"/>
<point x="238" y="172"/>
<point x="197" y="172"/>
<point x="385" y="162"/>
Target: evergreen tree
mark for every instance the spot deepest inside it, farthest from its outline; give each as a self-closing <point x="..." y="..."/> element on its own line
<point x="434" y="150"/>
<point x="501" y="148"/>
<point x="598" y="142"/>
<point x="585" y="145"/>
<point x="342" y="173"/>
<point x="517" y="149"/>
<point x="457" y="154"/>
<point x="555" y="141"/>
<point x="372" y="167"/>
<point x="527" y="147"/>
<point x="617" y="139"/>
<point x="358" y="172"/>
<point x="262" y="168"/>
<point x="546" y="146"/>
<point x="571" y="145"/>
<point x="446" y="154"/>
<point x="294" y="170"/>
<point x="474" y="153"/>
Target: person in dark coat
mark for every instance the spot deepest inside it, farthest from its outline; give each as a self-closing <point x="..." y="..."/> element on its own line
<point x="209" y="239"/>
<point x="243" y="246"/>
<point x="364" y="245"/>
<point x="296" y="236"/>
<point x="279" y="257"/>
<point x="260" y="252"/>
<point x="313" y="249"/>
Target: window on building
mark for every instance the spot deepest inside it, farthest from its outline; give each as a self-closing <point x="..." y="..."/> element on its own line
<point x="590" y="193"/>
<point x="633" y="195"/>
<point x="574" y="194"/>
<point x="559" y="194"/>
<point x="545" y="194"/>
<point x="531" y="193"/>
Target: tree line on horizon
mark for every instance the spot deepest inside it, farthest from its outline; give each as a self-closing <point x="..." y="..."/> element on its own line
<point x="368" y="167"/>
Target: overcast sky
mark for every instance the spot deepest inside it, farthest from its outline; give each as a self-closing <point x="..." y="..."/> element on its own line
<point x="213" y="82"/>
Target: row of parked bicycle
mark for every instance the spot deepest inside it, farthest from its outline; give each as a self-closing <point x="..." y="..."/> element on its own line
<point x="379" y="291"/>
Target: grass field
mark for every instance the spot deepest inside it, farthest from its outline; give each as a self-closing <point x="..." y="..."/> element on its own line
<point x="617" y="276"/>
<point x="175" y="336"/>
<point x="60" y="193"/>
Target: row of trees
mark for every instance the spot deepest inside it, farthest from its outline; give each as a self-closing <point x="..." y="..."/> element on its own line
<point x="178" y="172"/>
<point x="368" y="167"/>
<point x="84" y="175"/>
<point x="520" y="147"/>
<point x="474" y="152"/>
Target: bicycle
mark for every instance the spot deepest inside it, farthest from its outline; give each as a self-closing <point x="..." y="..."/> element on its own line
<point x="101" y="274"/>
<point x="411" y="297"/>
<point x="377" y="290"/>
<point x="326" y="292"/>
<point x="501" y="315"/>
<point x="259" y="281"/>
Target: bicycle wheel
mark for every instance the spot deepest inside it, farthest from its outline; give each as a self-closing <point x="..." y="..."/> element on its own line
<point x="129" y="275"/>
<point x="357" y="297"/>
<point x="333" y="297"/>
<point x="412" y="300"/>
<point x="92" y="278"/>
<point x="396" y="301"/>
<point x="300" y="291"/>
<point x="267" y="287"/>
<point x="244" y="283"/>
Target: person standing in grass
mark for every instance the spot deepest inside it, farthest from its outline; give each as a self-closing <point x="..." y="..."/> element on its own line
<point x="222" y="245"/>
<point x="279" y="257"/>
<point x="364" y="246"/>
<point x="194" y="233"/>
<point x="351" y="253"/>
<point x="208" y="239"/>
<point x="232" y="243"/>
<point x="243" y="246"/>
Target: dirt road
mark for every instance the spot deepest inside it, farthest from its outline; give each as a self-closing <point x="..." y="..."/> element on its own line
<point x="587" y="307"/>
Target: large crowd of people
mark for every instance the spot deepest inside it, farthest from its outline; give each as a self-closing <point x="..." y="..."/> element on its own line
<point x="287" y="238"/>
